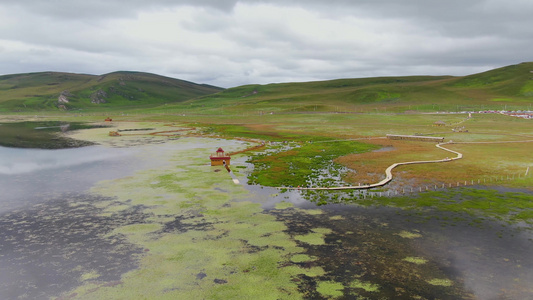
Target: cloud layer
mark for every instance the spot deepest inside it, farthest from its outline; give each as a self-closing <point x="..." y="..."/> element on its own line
<point x="229" y="43"/>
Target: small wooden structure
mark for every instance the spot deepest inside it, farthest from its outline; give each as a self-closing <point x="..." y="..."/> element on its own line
<point x="415" y="138"/>
<point x="108" y="119"/>
<point x="220" y="158"/>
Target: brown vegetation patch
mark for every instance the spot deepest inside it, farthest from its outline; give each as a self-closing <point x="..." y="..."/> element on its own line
<point x="370" y="166"/>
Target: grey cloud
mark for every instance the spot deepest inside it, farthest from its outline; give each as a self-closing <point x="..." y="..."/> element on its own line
<point x="105" y="9"/>
<point x="219" y="44"/>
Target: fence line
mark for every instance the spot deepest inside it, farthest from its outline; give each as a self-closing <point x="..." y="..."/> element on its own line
<point x="479" y="181"/>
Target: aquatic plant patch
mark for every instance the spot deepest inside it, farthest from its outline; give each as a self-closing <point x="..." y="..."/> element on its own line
<point x="303" y="165"/>
<point x="367" y="262"/>
<point x="65" y="238"/>
<point x="367" y="286"/>
<point x="440" y="282"/>
<point x="201" y="239"/>
<point x="416" y="260"/>
<point x="513" y="207"/>
<point x="330" y="288"/>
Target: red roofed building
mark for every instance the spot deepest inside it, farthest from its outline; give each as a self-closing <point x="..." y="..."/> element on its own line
<point x="220" y="158"/>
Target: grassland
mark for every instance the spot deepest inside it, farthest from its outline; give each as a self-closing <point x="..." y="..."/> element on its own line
<point x="505" y="88"/>
<point x="484" y="156"/>
<point x="124" y="90"/>
<point x="509" y="88"/>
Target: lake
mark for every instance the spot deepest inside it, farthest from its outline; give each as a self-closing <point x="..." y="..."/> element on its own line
<point x="157" y="221"/>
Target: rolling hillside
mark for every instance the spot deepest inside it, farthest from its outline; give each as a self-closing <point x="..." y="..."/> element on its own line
<point x="52" y="91"/>
<point x="507" y="87"/>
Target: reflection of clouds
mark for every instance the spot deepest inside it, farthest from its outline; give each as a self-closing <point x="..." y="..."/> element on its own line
<point x="19" y="161"/>
<point x="29" y="176"/>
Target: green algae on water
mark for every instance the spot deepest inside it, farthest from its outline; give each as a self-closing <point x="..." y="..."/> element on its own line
<point x="409" y="235"/>
<point x="200" y="239"/>
<point x="440" y="282"/>
<point x="416" y="260"/>
<point x="311" y="272"/>
<point x="330" y="288"/>
<point x="314" y="211"/>
<point x="322" y="230"/>
<point x="89" y="276"/>
<point x="367" y="286"/>
<point x="311" y="238"/>
<point x="283" y="205"/>
<point x="300" y="258"/>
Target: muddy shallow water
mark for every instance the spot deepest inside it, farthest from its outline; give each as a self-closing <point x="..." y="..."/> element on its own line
<point x="487" y="259"/>
<point x="157" y="222"/>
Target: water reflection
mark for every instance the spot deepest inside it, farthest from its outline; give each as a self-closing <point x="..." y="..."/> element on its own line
<point x="19" y="161"/>
<point x="53" y="230"/>
<point x="486" y="258"/>
<point x="31" y="175"/>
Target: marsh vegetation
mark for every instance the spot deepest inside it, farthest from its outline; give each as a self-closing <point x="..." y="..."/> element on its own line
<point x="164" y="225"/>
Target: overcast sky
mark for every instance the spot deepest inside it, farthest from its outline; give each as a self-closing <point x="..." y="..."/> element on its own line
<point x="229" y="42"/>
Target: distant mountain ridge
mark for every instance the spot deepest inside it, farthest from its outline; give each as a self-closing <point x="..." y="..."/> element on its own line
<point x="499" y="88"/>
<point x="510" y="86"/>
<point x="56" y="90"/>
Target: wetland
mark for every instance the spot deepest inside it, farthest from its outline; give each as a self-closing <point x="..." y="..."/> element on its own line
<point x="147" y="217"/>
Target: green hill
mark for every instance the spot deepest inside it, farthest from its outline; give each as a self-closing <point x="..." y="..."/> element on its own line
<point x="507" y="87"/>
<point x="52" y="90"/>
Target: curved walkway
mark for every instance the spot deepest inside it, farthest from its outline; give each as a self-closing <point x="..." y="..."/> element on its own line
<point x="388" y="173"/>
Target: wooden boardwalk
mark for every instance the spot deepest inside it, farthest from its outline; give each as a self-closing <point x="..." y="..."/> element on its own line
<point x="388" y="173"/>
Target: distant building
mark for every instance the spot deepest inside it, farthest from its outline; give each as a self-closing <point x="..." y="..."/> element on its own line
<point x="220" y="158"/>
<point x="439" y="123"/>
<point x="415" y="138"/>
